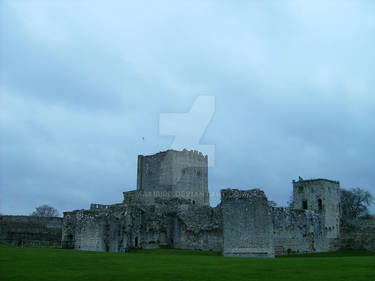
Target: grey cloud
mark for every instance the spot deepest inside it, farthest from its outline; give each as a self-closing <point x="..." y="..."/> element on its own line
<point x="81" y="83"/>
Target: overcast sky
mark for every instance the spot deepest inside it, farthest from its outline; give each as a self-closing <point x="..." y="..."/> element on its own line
<point x="83" y="84"/>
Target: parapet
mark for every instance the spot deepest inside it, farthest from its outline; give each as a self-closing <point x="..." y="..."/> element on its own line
<point x="135" y="197"/>
<point x="98" y="207"/>
<point x="236" y="194"/>
<point x="187" y="154"/>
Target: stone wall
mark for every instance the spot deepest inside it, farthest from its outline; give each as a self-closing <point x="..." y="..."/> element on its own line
<point x="198" y="228"/>
<point x="30" y="231"/>
<point x="170" y="208"/>
<point x="173" y="223"/>
<point x="247" y="224"/>
<point x="296" y="231"/>
<point x="358" y="234"/>
<point x="102" y="228"/>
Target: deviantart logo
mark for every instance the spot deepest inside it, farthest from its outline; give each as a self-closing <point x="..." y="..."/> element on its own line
<point x="189" y="127"/>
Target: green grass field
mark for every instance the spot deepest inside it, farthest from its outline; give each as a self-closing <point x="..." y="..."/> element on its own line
<point x="57" y="264"/>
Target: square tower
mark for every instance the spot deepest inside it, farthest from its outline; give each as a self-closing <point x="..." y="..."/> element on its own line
<point x="321" y="196"/>
<point x="174" y="174"/>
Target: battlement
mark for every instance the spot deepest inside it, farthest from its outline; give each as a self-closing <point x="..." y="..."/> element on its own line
<point x="187" y="154"/>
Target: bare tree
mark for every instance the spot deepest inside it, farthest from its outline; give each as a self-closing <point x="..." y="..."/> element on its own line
<point x="291" y="201"/>
<point x="272" y="203"/>
<point x="355" y="203"/>
<point x="45" y="211"/>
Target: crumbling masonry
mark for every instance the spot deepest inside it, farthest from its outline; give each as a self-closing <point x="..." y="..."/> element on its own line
<point x="170" y="208"/>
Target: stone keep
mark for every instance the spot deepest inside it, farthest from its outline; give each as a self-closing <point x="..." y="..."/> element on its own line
<point x="247" y="224"/>
<point x="173" y="174"/>
<point x="323" y="197"/>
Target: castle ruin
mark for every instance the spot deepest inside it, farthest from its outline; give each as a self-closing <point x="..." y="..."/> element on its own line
<point x="170" y="209"/>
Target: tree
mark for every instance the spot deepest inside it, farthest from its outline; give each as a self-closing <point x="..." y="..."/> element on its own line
<point x="355" y="203"/>
<point x="291" y="201"/>
<point x="272" y="203"/>
<point x="45" y="211"/>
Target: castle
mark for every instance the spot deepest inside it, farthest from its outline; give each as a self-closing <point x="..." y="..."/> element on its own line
<point x="170" y="208"/>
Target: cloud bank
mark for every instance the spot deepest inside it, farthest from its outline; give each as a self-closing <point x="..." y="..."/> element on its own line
<point x="83" y="83"/>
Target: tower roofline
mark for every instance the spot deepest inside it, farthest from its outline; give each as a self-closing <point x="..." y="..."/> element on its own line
<point x="315" y="180"/>
<point x="192" y="152"/>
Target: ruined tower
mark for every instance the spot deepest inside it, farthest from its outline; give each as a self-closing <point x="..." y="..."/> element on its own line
<point x="174" y="174"/>
<point x="321" y="196"/>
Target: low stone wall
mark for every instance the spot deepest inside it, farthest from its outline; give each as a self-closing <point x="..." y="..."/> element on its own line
<point x="98" y="229"/>
<point x="174" y="223"/>
<point x="198" y="228"/>
<point x="296" y="231"/>
<point x="30" y="231"/>
<point x="358" y="234"/>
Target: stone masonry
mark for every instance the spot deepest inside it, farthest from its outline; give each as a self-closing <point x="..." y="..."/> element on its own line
<point x="30" y="231"/>
<point x="170" y="209"/>
<point x="247" y="224"/>
<point x="173" y="174"/>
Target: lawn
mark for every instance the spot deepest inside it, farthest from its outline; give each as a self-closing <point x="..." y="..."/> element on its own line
<point x="57" y="264"/>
